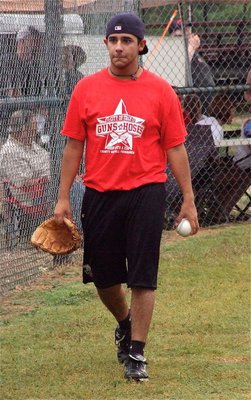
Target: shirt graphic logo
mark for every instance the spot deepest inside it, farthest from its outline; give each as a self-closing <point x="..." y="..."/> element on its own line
<point x="120" y="129"/>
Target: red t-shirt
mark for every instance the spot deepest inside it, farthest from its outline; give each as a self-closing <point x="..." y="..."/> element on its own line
<point x="127" y="125"/>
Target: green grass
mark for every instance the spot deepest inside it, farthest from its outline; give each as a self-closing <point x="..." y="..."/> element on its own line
<point x="57" y="338"/>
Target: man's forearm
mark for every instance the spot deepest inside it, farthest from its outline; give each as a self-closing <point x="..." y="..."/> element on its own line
<point x="70" y="166"/>
<point x="178" y="159"/>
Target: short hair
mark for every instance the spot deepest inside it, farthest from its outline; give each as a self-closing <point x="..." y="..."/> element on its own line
<point x="19" y="119"/>
<point x="79" y="55"/>
<point x="221" y="107"/>
<point x="192" y="107"/>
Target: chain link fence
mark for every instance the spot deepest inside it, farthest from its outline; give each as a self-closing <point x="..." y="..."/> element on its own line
<point x="203" y="48"/>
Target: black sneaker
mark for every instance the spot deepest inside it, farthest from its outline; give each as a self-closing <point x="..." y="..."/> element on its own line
<point x="135" y="368"/>
<point x="123" y="341"/>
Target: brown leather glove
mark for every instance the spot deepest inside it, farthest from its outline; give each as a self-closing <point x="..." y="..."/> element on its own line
<point x="55" y="238"/>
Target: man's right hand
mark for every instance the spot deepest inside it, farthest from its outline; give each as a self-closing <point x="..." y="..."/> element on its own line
<point x="62" y="209"/>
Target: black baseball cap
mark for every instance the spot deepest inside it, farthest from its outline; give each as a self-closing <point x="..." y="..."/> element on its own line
<point x="127" y="23"/>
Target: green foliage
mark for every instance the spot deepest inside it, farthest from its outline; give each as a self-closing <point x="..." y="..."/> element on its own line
<point x="200" y="12"/>
<point x="60" y="345"/>
<point x="221" y="12"/>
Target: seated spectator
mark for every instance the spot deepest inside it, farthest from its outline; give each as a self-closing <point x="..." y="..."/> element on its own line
<point x="220" y="111"/>
<point x="243" y="152"/>
<point x="24" y="174"/>
<point x="192" y="112"/>
<point x="201" y="72"/>
<point x="73" y="57"/>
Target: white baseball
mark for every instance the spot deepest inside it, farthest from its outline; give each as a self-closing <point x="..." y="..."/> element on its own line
<point x="184" y="228"/>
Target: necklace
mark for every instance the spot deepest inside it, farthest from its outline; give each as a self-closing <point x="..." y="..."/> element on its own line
<point x="132" y="76"/>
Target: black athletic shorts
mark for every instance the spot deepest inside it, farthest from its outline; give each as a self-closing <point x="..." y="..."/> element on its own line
<point x="122" y="233"/>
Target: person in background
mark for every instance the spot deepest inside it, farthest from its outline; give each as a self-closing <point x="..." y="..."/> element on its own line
<point x="24" y="173"/>
<point x="202" y="75"/>
<point x="243" y="152"/>
<point x="192" y="110"/>
<point x="73" y="57"/>
<point x="21" y="71"/>
<point x="26" y="76"/>
<point x="26" y="73"/>
<point x="131" y="122"/>
<point x="221" y="111"/>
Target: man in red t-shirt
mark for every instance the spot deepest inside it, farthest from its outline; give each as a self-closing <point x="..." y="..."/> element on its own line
<point x="130" y="123"/>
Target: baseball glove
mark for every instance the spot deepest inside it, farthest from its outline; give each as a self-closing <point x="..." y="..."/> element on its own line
<point x="56" y="238"/>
